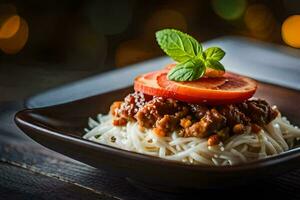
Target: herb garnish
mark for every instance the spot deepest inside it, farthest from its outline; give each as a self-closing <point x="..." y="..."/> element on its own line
<point x="188" y="52"/>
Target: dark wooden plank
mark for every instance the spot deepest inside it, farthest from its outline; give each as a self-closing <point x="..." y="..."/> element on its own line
<point x="18" y="183"/>
<point x="36" y="158"/>
<point x="98" y="181"/>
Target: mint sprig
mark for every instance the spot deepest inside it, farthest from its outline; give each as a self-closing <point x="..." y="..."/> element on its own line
<point x="188" y="52"/>
<point x="189" y="70"/>
<point x="180" y="46"/>
<point x="214" y="53"/>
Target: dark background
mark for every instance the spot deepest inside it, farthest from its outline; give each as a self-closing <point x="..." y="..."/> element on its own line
<point x="61" y="41"/>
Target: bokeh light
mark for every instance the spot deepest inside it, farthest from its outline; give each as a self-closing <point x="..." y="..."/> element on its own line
<point x="290" y="31"/>
<point x="145" y="47"/>
<point x="15" y="43"/>
<point x="260" y="20"/>
<point x="165" y="18"/>
<point x="132" y="51"/>
<point x="229" y="9"/>
<point x="9" y="27"/>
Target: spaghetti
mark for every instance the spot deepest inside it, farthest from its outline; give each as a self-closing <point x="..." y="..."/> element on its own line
<point x="274" y="138"/>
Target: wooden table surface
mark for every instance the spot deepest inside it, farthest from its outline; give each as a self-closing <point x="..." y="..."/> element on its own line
<point x="30" y="171"/>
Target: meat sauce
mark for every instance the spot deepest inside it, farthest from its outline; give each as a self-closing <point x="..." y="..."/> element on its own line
<point x="165" y="115"/>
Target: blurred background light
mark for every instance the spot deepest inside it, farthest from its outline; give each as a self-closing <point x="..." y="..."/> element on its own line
<point x="15" y="43"/>
<point x="229" y="9"/>
<point x="145" y="47"/>
<point x="165" y="18"/>
<point x="96" y="36"/>
<point x="9" y="27"/>
<point x="290" y="31"/>
<point x="13" y="30"/>
<point x="260" y="21"/>
<point x="132" y="51"/>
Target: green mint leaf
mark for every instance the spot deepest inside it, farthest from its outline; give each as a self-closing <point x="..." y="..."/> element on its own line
<point x="189" y="70"/>
<point x="188" y="52"/>
<point x="214" y="64"/>
<point x="180" y="46"/>
<point x="214" y="53"/>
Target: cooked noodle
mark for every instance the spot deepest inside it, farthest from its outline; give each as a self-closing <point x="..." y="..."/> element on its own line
<point x="276" y="137"/>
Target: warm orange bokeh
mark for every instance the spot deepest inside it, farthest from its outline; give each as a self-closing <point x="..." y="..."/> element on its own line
<point x="132" y="51"/>
<point x="290" y="31"/>
<point x="165" y="18"/>
<point x="15" y="43"/>
<point x="9" y="27"/>
<point x="260" y="20"/>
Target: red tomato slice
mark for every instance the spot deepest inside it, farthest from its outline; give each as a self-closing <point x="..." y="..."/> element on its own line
<point x="147" y="84"/>
<point x="230" y="88"/>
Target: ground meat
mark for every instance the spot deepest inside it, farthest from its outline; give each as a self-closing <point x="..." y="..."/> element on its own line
<point x="255" y="128"/>
<point x="244" y="114"/>
<point x="208" y="124"/>
<point x="259" y="111"/>
<point x="185" y="122"/>
<point x="239" y="129"/>
<point x="161" y="113"/>
<point x="198" y="110"/>
<point x="213" y="140"/>
<point x="119" y="122"/>
<point x="233" y="115"/>
<point x="115" y="107"/>
<point x="165" y="115"/>
<point x="131" y="105"/>
<point x="168" y="123"/>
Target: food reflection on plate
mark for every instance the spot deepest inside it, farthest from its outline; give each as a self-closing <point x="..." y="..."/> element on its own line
<point x="195" y="112"/>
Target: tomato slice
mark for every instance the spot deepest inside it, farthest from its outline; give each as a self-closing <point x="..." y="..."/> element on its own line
<point x="230" y="88"/>
<point x="148" y="84"/>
